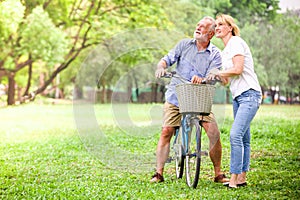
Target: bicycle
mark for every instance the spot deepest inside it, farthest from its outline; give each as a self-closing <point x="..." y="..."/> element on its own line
<point x="187" y="141"/>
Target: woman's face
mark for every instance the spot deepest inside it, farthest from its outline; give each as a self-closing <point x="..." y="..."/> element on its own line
<point x="222" y="29"/>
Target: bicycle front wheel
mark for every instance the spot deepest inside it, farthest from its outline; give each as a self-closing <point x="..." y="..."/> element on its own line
<point x="193" y="157"/>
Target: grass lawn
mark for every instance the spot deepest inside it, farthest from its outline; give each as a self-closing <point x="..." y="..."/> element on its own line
<point x="108" y="152"/>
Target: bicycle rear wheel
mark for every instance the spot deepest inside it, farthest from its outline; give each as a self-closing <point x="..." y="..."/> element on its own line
<point x="178" y="154"/>
<point x="193" y="158"/>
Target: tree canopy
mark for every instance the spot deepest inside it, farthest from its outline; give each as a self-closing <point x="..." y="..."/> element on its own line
<point x="45" y="43"/>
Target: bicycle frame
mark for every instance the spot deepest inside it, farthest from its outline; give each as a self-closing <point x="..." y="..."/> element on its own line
<point x="185" y="132"/>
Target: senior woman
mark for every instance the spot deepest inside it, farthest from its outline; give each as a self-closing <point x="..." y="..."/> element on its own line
<point x="238" y="69"/>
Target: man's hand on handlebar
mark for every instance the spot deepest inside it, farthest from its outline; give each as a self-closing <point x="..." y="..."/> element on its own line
<point x="160" y="72"/>
<point x="212" y="78"/>
<point x="196" y="80"/>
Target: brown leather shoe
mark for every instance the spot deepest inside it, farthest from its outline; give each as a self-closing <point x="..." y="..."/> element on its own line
<point x="221" y="179"/>
<point x="157" y="178"/>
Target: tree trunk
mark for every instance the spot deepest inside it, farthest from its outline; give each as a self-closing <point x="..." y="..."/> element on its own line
<point x="11" y="89"/>
<point x="227" y="96"/>
<point x="154" y="87"/>
<point x="57" y="90"/>
<point x="42" y="82"/>
<point x="103" y="96"/>
<point x="136" y="86"/>
<point x="29" y="79"/>
<point x="129" y="89"/>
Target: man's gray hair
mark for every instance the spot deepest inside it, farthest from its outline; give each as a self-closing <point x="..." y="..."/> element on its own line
<point x="213" y="22"/>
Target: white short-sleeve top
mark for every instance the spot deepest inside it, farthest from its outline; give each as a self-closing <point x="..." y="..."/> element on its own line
<point x="248" y="79"/>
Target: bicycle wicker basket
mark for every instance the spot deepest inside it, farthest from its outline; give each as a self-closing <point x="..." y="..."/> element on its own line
<point x="194" y="98"/>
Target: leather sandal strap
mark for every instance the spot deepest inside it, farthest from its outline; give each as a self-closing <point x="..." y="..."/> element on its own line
<point x="158" y="176"/>
<point x="219" y="177"/>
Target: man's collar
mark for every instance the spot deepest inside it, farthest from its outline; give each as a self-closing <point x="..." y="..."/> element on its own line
<point x="209" y="47"/>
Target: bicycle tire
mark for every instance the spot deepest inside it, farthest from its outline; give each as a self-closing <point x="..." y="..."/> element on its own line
<point x="193" y="157"/>
<point x="178" y="154"/>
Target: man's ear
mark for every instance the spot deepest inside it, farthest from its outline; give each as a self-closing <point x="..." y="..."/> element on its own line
<point x="211" y="34"/>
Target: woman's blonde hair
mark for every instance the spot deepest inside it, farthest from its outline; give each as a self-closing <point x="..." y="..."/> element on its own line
<point x="230" y="21"/>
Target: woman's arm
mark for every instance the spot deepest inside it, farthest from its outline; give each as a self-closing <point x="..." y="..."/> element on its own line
<point x="224" y="80"/>
<point x="237" y="69"/>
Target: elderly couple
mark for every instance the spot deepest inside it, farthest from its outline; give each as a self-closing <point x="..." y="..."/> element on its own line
<point x="195" y="58"/>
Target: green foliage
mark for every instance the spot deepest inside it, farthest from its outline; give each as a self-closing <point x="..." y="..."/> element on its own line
<point x="21" y="79"/>
<point x="147" y="15"/>
<point x="184" y="15"/>
<point x="59" y="11"/>
<point x="130" y="15"/>
<point x="129" y="54"/>
<point x="11" y="15"/>
<point x="280" y="57"/>
<point x="254" y="40"/>
<point x="248" y="11"/>
<point x="9" y="64"/>
<point x="42" y="39"/>
<point x="46" y="29"/>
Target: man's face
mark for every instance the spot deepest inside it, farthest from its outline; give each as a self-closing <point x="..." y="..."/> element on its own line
<point x="202" y="32"/>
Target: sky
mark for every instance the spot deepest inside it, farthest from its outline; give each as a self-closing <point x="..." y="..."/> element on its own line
<point x="290" y="4"/>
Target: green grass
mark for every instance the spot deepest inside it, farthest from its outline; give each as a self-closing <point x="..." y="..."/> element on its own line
<point x="45" y="154"/>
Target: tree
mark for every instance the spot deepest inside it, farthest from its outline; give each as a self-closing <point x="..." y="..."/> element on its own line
<point x="246" y="10"/>
<point x="11" y="14"/>
<point x="44" y="39"/>
<point x="284" y="61"/>
<point x="275" y="48"/>
<point x="86" y="23"/>
<point x="130" y="57"/>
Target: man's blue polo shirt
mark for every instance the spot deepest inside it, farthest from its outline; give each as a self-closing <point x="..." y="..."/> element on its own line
<point x="190" y="62"/>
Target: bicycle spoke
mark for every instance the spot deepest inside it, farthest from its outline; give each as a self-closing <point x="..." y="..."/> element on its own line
<point x="178" y="154"/>
<point x="193" y="159"/>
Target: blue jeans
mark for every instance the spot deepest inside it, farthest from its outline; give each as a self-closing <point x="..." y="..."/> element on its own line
<point x="245" y="107"/>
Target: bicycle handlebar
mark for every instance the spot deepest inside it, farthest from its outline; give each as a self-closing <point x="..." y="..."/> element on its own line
<point x="174" y="74"/>
<point x="169" y="74"/>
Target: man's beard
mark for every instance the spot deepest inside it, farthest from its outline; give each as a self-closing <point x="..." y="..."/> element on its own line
<point x="201" y="38"/>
